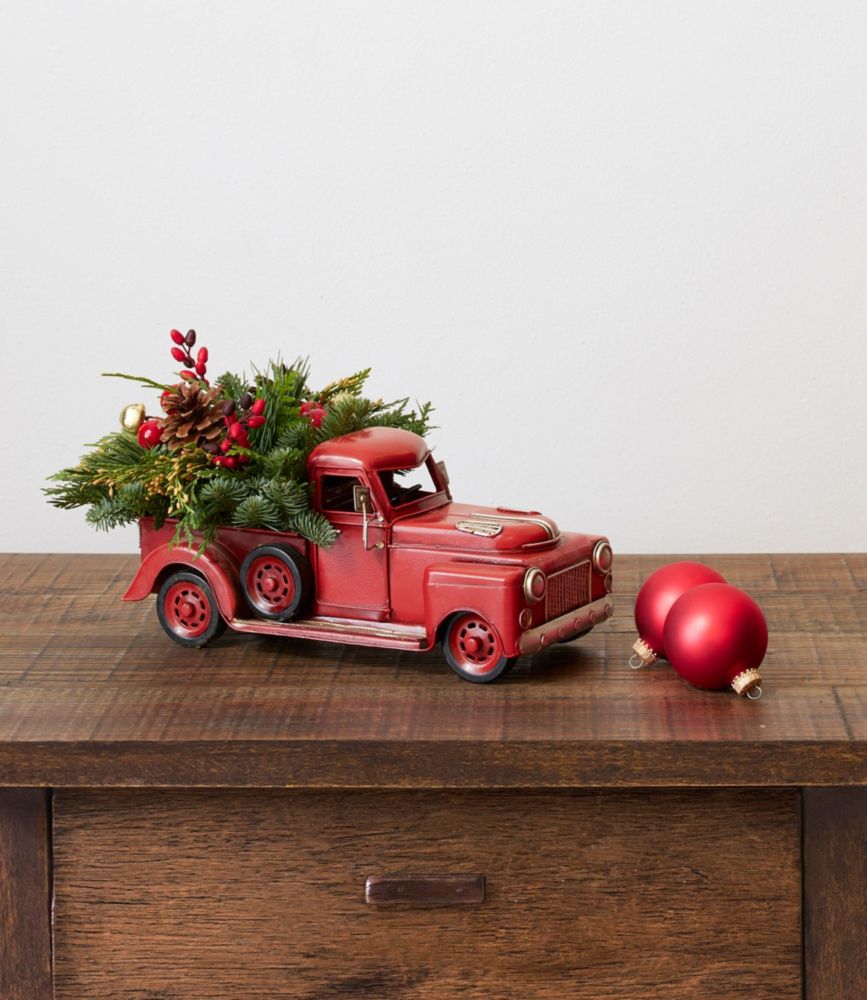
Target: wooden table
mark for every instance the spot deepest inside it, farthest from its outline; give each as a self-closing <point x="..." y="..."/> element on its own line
<point x="184" y="823"/>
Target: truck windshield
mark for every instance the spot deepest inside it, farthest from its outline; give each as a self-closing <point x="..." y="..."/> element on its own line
<point x="403" y="486"/>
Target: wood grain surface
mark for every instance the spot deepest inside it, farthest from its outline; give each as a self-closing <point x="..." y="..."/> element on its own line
<point x="172" y="896"/>
<point x="835" y="893"/>
<point x="93" y="693"/>
<point x="25" y="895"/>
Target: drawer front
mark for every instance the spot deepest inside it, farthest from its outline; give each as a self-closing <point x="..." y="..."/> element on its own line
<point x="171" y="895"/>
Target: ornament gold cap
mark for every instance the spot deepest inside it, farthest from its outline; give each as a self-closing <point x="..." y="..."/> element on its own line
<point x="132" y="416"/>
<point x="644" y="652"/>
<point x="746" y="681"/>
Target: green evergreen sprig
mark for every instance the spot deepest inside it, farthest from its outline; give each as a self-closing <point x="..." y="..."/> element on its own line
<point x="119" y="481"/>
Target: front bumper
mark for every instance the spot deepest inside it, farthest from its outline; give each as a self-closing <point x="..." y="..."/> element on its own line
<point x="566" y="626"/>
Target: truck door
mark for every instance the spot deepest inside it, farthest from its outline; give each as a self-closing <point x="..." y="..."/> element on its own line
<point x="351" y="576"/>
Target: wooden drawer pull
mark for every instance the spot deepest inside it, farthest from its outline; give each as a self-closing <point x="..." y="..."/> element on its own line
<point x="424" y="891"/>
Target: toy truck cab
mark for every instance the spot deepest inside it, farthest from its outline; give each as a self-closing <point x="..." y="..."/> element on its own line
<point x="409" y="567"/>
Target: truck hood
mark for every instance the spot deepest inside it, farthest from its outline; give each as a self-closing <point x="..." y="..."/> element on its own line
<point x="470" y="527"/>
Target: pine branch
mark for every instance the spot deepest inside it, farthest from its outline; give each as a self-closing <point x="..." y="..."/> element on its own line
<point x="352" y="384"/>
<point x="147" y="383"/>
<point x="220" y="496"/>
<point x="285" y="463"/>
<point x="256" y="512"/>
<point x="283" y="387"/>
<point x="315" y="528"/>
<point x="234" y="386"/>
<point x="288" y="497"/>
<point x="299" y="436"/>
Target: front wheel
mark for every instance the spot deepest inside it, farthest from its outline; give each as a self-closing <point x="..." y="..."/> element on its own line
<point x="473" y="649"/>
<point x="187" y="609"/>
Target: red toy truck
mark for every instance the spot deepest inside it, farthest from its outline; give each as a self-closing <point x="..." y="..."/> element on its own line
<point x="409" y="568"/>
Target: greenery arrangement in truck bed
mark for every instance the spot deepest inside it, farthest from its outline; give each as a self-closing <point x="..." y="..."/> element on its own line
<point x="229" y="452"/>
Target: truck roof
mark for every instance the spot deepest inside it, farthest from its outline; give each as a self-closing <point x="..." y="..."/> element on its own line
<point x="372" y="448"/>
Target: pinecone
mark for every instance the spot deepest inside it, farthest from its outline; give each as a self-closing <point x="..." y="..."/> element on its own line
<point x="192" y="416"/>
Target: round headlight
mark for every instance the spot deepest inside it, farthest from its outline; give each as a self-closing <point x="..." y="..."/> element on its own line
<point x="535" y="584"/>
<point x="602" y="556"/>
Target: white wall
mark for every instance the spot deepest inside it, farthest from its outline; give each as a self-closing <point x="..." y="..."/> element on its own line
<point x="621" y="245"/>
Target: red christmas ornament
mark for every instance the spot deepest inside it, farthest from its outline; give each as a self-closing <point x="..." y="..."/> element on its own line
<point x="715" y="637"/>
<point x="150" y="434"/>
<point x="655" y="599"/>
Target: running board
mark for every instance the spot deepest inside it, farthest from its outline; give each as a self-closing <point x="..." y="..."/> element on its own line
<point x="328" y="630"/>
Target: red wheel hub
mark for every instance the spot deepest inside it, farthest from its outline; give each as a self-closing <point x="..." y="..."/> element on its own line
<point x="187" y="609"/>
<point x="475" y="646"/>
<point x="270" y="584"/>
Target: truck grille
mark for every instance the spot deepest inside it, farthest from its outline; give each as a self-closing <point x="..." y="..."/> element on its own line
<point x="568" y="589"/>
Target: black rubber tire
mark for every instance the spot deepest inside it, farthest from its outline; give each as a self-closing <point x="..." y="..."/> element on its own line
<point x="216" y="626"/>
<point x="503" y="665"/>
<point x="298" y="569"/>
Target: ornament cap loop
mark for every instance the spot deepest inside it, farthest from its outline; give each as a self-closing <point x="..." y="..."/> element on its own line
<point x="644" y="653"/>
<point x="746" y="682"/>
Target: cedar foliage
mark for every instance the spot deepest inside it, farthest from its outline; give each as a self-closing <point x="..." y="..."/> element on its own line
<point x="120" y="481"/>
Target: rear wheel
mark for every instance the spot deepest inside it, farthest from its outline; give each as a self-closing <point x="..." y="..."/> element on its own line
<point x="277" y="581"/>
<point x="187" y="609"/>
<point x="473" y="649"/>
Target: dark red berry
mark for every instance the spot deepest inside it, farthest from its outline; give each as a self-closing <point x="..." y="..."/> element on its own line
<point x="246" y="400"/>
<point x="211" y="447"/>
<point x="177" y="336"/>
<point x="190" y="338"/>
<point x="188" y="360"/>
<point x="229" y="462"/>
<point x="228" y="407"/>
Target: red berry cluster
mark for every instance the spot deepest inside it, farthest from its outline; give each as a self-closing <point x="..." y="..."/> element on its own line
<point x="314" y="411"/>
<point x="241" y="417"/>
<point x="182" y="353"/>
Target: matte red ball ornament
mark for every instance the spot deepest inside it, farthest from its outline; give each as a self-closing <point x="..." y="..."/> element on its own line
<point x="716" y="637"/>
<point x="655" y="599"/>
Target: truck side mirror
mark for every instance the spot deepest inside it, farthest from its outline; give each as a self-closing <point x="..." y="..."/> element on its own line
<point x="361" y="499"/>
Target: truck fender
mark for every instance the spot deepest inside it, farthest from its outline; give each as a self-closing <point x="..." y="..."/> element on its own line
<point x="494" y="592"/>
<point x="215" y="564"/>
